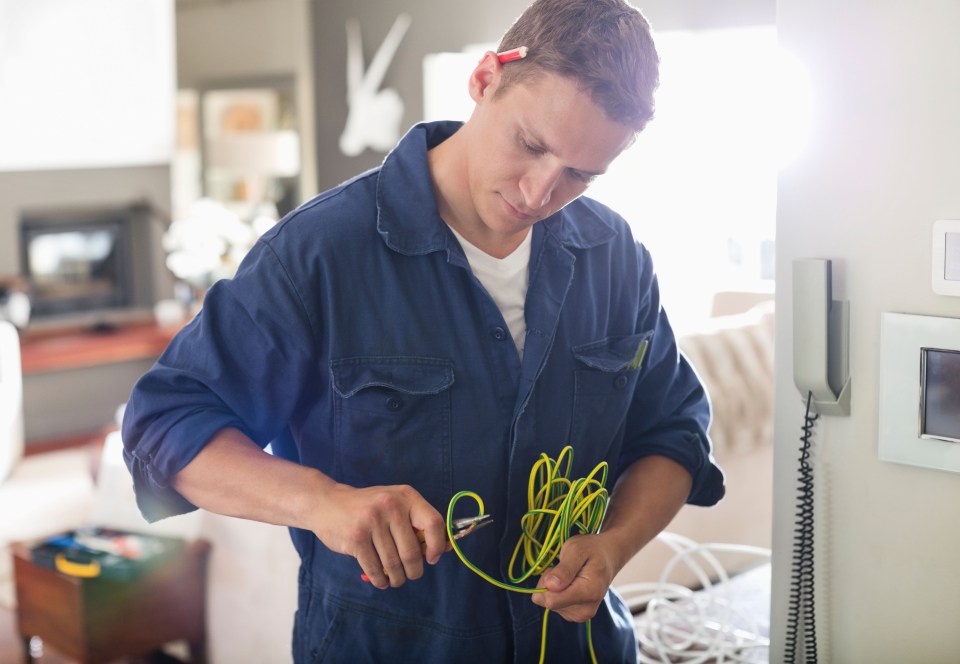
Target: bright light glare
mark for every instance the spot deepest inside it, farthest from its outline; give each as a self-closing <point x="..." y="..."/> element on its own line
<point x="86" y="84"/>
<point x="699" y="185"/>
<point x="793" y="110"/>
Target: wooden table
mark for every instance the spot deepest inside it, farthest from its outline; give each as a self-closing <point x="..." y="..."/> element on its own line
<point x="100" y="620"/>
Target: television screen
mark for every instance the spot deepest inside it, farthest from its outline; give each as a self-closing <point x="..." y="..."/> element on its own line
<point x="76" y="263"/>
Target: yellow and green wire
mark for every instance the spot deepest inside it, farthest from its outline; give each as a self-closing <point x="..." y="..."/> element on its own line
<point x="557" y="509"/>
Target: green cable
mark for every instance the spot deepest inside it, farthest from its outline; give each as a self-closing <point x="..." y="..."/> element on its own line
<point x="556" y="506"/>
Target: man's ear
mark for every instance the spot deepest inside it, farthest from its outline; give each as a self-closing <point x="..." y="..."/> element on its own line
<point x="485" y="76"/>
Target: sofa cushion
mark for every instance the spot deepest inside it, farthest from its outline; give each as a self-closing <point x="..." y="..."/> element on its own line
<point x="733" y="355"/>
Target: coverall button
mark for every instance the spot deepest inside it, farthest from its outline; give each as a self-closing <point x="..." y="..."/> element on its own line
<point x="620" y="382"/>
<point x="499" y="334"/>
<point x="394" y="403"/>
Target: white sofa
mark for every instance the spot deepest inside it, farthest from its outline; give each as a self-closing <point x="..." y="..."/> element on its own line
<point x="39" y="495"/>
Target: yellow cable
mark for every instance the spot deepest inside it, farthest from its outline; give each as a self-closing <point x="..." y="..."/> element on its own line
<point x="556" y="507"/>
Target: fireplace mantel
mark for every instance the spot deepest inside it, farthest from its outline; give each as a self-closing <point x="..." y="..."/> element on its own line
<point x="79" y="348"/>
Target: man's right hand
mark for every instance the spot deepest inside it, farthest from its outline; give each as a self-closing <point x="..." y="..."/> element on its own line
<point x="378" y="526"/>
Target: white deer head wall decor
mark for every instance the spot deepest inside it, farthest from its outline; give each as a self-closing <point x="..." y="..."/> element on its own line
<point x="373" y="115"/>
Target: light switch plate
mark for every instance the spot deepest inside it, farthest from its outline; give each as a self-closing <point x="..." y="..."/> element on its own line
<point x="946" y="257"/>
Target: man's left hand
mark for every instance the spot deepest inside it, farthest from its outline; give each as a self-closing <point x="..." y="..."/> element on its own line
<point x="579" y="582"/>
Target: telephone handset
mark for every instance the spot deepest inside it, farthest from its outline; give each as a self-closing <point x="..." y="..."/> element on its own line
<point x="821" y="331"/>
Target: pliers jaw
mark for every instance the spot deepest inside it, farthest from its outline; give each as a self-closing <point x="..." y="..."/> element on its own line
<point x="463" y="527"/>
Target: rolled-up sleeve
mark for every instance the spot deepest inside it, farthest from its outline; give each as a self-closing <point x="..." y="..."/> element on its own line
<point x="252" y="331"/>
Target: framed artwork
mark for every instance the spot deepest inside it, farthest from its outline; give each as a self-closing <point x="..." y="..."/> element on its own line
<point x="249" y="143"/>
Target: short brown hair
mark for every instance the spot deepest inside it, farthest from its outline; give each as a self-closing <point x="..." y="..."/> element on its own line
<point x="603" y="45"/>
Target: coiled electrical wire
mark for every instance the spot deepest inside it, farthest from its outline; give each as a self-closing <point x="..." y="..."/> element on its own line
<point x="557" y="509"/>
<point x="706" y="626"/>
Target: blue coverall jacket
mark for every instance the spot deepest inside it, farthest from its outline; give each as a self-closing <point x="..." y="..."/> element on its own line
<point x="356" y="340"/>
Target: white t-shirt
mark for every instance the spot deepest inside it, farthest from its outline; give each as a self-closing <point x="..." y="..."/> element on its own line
<point x="505" y="280"/>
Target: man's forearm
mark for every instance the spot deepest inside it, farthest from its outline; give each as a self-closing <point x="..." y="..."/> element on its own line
<point x="647" y="496"/>
<point x="376" y="525"/>
<point x="233" y="476"/>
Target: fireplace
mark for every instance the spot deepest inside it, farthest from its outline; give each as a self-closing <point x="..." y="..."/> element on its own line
<point x="84" y="265"/>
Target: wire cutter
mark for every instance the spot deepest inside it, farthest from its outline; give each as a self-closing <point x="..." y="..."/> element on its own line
<point x="463" y="527"/>
<point x="459" y="528"/>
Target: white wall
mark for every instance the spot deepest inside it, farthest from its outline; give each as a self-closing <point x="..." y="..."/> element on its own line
<point x="86" y="111"/>
<point x="883" y="165"/>
<point x="85" y="84"/>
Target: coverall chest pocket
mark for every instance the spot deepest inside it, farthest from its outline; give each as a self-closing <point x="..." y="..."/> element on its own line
<point x="604" y="384"/>
<point x="393" y="421"/>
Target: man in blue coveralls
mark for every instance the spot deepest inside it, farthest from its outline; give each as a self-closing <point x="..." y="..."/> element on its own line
<point x="434" y="325"/>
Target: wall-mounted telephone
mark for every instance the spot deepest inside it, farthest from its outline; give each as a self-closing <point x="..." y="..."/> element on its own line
<point x="821" y="332"/>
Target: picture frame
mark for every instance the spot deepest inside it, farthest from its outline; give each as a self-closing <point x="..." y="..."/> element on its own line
<point x="249" y="108"/>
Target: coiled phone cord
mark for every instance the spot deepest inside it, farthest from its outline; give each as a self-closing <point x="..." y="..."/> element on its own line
<point x="556" y="505"/>
<point x="802" y="580"/>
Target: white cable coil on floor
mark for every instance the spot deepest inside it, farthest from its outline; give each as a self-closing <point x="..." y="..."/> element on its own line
<point x="709" y="625"/>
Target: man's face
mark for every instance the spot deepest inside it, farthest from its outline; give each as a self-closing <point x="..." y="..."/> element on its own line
<point x="534" y="148"/>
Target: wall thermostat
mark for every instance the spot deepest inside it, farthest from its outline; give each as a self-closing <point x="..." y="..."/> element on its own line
<point x="946" y="257"/>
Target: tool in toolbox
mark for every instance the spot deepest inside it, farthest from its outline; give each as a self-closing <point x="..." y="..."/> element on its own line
<point x="95" y="552"/>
